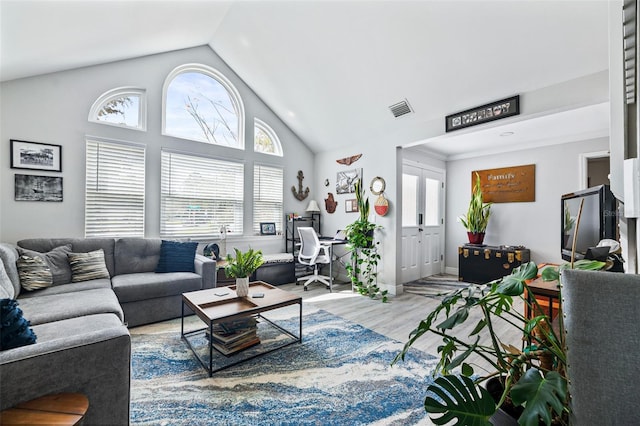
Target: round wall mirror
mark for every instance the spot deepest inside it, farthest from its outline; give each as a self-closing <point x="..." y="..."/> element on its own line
<point x="377" y="185"/>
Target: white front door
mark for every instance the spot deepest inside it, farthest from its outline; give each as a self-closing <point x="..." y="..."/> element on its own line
<point x="422" y="222"/>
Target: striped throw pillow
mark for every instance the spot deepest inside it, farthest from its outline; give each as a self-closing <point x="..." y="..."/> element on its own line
<point x="88" y="266"/>
<point x="34" y="273"/>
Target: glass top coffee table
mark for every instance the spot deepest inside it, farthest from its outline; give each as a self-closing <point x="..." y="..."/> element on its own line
<point x="235" y="327"/>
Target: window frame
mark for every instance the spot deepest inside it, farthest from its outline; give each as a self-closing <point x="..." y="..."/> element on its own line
<point x="120" y="92"/>
<point x="278" y="221"/>
<point x="117" y="143"/>
<point x="213" y="73"/>
<point x="264" y="127"/>
<point x="214" y="232"/>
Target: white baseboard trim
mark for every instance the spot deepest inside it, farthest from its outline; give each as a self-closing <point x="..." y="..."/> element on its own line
<point x="450" y="270"/>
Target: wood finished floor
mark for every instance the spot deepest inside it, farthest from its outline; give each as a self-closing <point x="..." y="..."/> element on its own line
<point x="395" y="319"/>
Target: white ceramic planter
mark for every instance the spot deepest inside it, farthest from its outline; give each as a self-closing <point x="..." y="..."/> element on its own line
<point x="242" y="286"/>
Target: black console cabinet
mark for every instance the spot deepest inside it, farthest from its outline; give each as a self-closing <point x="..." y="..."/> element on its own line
<point x="481" y="264"/>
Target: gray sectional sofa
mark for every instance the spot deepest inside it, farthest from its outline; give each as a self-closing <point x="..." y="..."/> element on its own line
<point x="83" y="344"/>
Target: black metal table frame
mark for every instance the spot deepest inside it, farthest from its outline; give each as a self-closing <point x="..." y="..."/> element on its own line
<point x="209" y="368"/>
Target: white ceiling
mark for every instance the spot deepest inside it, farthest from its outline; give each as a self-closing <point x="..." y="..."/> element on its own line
<point x="330" y="69"/>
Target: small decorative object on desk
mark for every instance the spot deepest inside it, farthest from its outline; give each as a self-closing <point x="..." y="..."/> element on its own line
<point x="241" y="267"/>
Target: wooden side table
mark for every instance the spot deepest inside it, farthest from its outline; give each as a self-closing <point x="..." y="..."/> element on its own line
<point x="58" y="409"/>
<point x="547" y="294"/>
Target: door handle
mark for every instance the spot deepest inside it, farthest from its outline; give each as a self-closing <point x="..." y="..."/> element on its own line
<point x="419" y="218"/>
<point x="420" y="229"/>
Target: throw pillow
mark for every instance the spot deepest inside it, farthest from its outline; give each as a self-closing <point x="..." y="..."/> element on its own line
<point x="177" y="257"/>
<point x="88" y="266"/>
<point x="34" y="273"/>
<point x="14" y="328"/>
<point x="6" y="286"/>
<point x="57" y="261"/>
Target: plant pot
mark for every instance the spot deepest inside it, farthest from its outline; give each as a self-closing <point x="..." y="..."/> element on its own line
<point x="475" y="237"/>
<point x="242" y="286"/>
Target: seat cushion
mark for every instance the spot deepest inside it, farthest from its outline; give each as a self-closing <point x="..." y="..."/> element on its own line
<point x="68" y="288"/>
<point x="56" y="307"/>
<point x="136" y="255"/>
<point x="148" y="285"/>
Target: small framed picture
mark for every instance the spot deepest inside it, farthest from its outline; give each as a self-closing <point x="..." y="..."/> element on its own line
<point x="267" y="228"/>
<point x="36" y="156"/>
<point x="38" y="188"/>
<point x="351" y="206"/>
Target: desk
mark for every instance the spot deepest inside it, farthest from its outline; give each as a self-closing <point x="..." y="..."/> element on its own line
<point x="329" y="244"/>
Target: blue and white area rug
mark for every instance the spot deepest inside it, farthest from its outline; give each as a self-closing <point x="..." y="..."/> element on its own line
<point x="339" y="375"/>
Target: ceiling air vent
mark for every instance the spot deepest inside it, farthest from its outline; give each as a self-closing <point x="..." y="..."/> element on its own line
<point x="401" y="108"/>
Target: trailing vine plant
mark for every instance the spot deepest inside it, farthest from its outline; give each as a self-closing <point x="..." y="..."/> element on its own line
<point x="363" y="268"/>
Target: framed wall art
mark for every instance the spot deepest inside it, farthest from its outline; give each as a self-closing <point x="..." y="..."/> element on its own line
<point x="482" y="114"/>
<point x="36" y="156"/>
<point x="351" y="206"/>
<point x="267" y="228"/>
<point x="346" y="181"/>
<point x="38" y="188"/>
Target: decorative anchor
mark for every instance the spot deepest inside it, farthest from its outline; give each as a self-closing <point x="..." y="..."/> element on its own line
<point x="299" y="194"/>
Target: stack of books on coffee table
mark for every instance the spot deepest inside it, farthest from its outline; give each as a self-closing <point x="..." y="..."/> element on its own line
<point x="233" y="336"/>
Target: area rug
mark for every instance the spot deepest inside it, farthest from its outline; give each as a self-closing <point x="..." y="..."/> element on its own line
<point x="434" y="286"/>
<point x="339" y="375"/>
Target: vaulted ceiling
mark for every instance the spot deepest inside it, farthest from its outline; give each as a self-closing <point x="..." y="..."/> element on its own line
<point x="331" y="69"/>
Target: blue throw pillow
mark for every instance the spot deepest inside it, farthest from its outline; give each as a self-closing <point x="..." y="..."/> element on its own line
<point x="177" y="257"/>
<point x="14" y="328"/>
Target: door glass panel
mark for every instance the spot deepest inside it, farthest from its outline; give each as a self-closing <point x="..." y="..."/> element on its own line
<point x="432" y="202"/>
<point x="409" y="200"/>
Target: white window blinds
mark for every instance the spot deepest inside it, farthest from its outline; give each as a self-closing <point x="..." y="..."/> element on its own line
<point x="200" y="195"/>
<point x="115" y="185"/>
<point x="267" y="196"/>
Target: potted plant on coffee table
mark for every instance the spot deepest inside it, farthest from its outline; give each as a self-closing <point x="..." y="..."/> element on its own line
<point x="477" y="217"/>
<point x="241" y="267"/>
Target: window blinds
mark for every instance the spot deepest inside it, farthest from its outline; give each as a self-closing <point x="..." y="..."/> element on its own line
<point x="114" y="193"/>
<point x="199" y="195"/>
<point x="267" y="196"/>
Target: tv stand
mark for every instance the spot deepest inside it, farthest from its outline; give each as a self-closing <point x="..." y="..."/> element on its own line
<point x="481" y="264"/>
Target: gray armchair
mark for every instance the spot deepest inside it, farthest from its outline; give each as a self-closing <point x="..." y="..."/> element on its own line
<point x="601" y="312"/>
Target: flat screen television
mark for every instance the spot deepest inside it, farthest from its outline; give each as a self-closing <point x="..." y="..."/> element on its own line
<point x="598" y="220"/>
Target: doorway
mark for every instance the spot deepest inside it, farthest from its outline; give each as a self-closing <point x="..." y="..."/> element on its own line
<point x="594" y="169"/>
<point x="423" y="199"/>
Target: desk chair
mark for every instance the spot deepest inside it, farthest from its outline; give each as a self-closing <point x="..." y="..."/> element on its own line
<point x="312" y="253"/>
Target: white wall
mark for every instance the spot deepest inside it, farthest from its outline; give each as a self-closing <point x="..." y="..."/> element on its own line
<point x="374" y="162"/>
<point x="54" y="108"/>
<point x="535" y="225"/>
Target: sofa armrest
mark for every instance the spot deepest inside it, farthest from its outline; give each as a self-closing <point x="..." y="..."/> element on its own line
<point x="96" y="364"/>
<point x="206" y="268"/>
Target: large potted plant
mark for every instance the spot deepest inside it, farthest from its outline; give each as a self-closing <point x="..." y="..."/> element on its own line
<point x="241" y="267"/>
<point x="529" y="382"/>
<point x="477" y="217"/>
<point x="362" y="270"/>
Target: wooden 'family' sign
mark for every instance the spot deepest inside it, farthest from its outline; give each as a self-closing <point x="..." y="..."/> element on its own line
<point x="508" y="184"/>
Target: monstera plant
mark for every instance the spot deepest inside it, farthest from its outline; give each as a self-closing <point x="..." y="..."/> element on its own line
<point x="529" y="381"/>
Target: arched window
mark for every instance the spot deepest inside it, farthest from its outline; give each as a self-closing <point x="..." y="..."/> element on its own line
<point x="265" y="139"/>
<point x="200" y="104"/>
<point x="122" y="107"/>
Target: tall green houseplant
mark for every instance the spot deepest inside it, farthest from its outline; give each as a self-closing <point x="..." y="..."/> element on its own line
<point x="531" y="380"/>
<point x="478" y="213"/>
<point x="362" y="270"/>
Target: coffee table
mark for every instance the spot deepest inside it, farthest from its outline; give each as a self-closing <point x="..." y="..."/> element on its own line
<point x="222" y="304"/>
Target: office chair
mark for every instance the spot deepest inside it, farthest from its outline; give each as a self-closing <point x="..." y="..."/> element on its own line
<point x="312" y="253"/>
